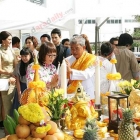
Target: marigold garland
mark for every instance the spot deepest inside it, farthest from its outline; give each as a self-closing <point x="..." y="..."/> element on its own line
<point x="114" y="76"/>
<point x="43" y="129"/>
<point x="113" y="61"/>
<point x="36" y="84"/>
<point x="32" y="112"/>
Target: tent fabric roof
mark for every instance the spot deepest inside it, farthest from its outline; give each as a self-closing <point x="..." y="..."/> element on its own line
<point x="21" y="10"/>
<point x="22" y="14"/>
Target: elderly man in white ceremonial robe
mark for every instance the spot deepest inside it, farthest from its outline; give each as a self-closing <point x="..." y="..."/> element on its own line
<point x="80" y="67"/>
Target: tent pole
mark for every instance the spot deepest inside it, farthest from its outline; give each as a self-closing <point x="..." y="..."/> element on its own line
<point x="83" y="22"/>
<point x="103" y="22"/>
<point x="97" y="35"/>
<point x="20" y="36"/>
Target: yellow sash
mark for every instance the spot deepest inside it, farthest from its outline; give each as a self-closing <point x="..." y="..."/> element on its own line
<point x="82" y="63"/>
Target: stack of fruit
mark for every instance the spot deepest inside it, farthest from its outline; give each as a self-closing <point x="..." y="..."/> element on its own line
<point x="24" y="126"/>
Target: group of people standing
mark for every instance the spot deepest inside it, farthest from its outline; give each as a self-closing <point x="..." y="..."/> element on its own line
<point x="17" y="69"/>
<point x="80" y="64"/>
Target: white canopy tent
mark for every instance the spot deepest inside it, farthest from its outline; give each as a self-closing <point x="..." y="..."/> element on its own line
<point x="22" y="10"/>
<point x="22" y="14"/>
<point x="28" y="17"/>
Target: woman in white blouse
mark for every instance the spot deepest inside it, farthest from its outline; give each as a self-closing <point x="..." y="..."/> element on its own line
<point x="32" y="43"/>
<point x="106" y="53"/>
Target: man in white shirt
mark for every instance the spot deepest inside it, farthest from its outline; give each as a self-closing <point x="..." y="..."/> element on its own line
<point x="80" y="67"/>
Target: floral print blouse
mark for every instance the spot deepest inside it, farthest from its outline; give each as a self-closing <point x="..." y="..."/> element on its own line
<point x="46" y="72"/>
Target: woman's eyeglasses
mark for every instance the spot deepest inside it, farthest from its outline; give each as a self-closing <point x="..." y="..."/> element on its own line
<point x="51" y="56"/>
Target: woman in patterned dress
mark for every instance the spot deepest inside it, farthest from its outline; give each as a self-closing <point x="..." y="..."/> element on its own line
<point x="47" y="71"/>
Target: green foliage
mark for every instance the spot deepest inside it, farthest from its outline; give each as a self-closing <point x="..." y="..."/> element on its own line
<point x="137" y="84"/>
<point x="57" y="105"/>
<point x="136" y="43"/>
<point x="136" y="35"/>
<point x="93" y="47"/>
<point x="137" y="18"/>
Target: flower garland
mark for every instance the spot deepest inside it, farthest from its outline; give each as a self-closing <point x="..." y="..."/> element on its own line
<point x="37" y="84"/>
<point x="43" y="129"/>
<point x="114" y="76"/>
<point x="31" y="112"/>
<point x="113" y="61"/>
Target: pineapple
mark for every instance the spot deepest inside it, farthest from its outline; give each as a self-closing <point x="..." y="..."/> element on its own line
<point x="126" y="131"/>
<point x="91" y="130"/>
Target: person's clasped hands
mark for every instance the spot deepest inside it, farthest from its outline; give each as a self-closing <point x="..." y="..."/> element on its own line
<point x="69" y="70"/>
<point x="54" y="80"/>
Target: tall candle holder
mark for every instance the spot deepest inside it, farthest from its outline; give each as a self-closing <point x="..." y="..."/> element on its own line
<point x="99" y="110"/>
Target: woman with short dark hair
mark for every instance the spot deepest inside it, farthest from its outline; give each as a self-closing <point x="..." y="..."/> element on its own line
<point x="47" y="70"/>
<point x="106" y="68"/>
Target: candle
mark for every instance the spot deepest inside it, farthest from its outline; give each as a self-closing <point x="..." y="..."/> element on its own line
<point x="97" y="82"/>
<point x="63" y="78"/>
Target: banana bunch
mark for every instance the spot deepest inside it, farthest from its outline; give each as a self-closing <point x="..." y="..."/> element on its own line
<point x="16" y="116"/>
<point x="11" y="123"/>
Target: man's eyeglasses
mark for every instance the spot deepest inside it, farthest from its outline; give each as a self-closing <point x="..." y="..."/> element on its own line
<point x="51" y="56"/>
